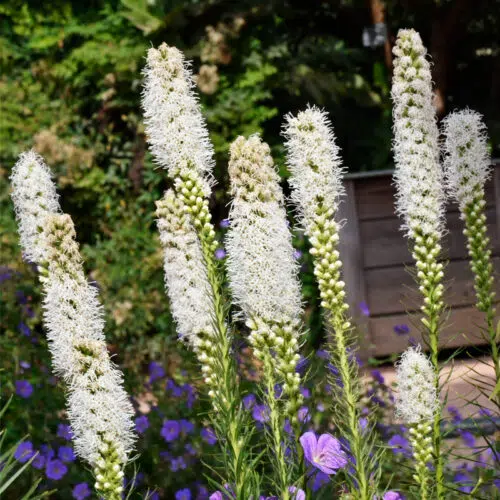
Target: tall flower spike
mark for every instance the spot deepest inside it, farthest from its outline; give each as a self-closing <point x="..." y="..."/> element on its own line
<point x="420" y="193"/>
<point x="467" y="168"/>
<point x="186" y="282"/>
<point x="99" y="410"/>
<point x="316" y="179"/>
<point x="262" y="270"/>
<point x="263" y="278"/>
<point x="175" y="127"/>
<point x="417" y="404"/>
<point x="34" y="196"/>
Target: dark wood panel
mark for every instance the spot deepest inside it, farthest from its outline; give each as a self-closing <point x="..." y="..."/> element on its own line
<point x="375" y="197"/>
<point x="462" y="328"/>
<point x="384" y="243"/>
<point x="393" y="291"/>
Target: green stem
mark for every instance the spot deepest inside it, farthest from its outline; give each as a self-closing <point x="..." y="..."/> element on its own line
<point x="429" y="276"/>
<point x="226" y="396"/>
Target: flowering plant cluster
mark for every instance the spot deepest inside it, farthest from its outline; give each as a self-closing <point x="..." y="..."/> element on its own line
<point x="265" y="418"/>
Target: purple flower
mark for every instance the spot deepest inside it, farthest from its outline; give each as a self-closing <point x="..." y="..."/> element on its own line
<point x="170" y="430"/>
<point x="378" y="376"/>
<point x="47" y="451"/>
<point x="64" y="432"/>
<point x="297" y="254"/>
<point x="322" y="354"/>
<point x="24" y="388"/>
<point x="24" y="365"/>
<point x="249" y="401"/>
<point x="24" y="452"/>
<point x="303" y="414"/>
<point x="401" y="329"/>
<point x="177" y="463"/>
<point x="224" y="223"/>
<point x="305" y="392"/>
<point x="156" y="371"/>
<point x="208" y="435"/>
<point x="38" y="462"/>
<point x="216" y="496"/>
<point x="363" y="307"/>
<point x="141" y="424"/>
<point x="5" y="273"/>
<point x="66" y="454"/>
<point x="24" y="329"/>
<point x="55" y="469"/>
<point x="393" y="495"/>
<point x="400" y="445"/>
<point x="324" y="453"/>
<point x="81" y="491"/>
<point x="464" y="482"/>
<point x="190" y="449"/>
<point x="468" y="438"/>
<point x="187" y="427"/>
<point x="319" y="480"/>
<point x="299" y="494"/>
<point x="184" y="494"/>
<point x="260" y="413"/>
<point x="220" y="254"/>
<point x="455" y="414"/>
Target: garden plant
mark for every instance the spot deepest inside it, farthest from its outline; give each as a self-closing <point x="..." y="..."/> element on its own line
<point x="250" y="412"/>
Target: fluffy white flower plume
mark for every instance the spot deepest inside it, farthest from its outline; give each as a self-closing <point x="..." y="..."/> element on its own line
<point x="34" y="196"/>
<point x="261" y="266"/>
<point x="416" y="399"/>
<point x="314" y="163"/>
<point x="98" y="406"/>
<point x="175" y="127"/>
<point x="420" y="193"/>
<point x="185" y="271"/>
<point x="467" y="162"/>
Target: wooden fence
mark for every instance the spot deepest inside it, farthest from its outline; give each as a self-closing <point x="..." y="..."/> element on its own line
<point x="376" y="254"/>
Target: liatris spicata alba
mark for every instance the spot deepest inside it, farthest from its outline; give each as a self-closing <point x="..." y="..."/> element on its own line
<point x="467" y="168"/>
<point x="420" y="192"/>
<point x="316" y="179"/>
<point x="417" y="404"/>
<point x="179" y="142"/>
<point x="99" y="410"/>
<point x="263" y="276"/>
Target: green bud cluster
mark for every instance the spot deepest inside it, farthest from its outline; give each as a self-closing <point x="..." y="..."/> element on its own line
<point x="421" y="442"/>
<point x="108" y="472"/>
<point x="280" y="338"/>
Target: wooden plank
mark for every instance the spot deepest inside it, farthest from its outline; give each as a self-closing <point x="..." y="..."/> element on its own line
<point x="384" y="243"/>
<point x="376" y="196"/>
<point x="352" y="257"/>
<point x="462" y="328"/>
<point x="393" y="291"/>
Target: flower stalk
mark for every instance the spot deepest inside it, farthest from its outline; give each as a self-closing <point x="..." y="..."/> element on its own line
<point x="467" y="168"/>
<point x="316" y="180"/>
<point x="420" y="195"/>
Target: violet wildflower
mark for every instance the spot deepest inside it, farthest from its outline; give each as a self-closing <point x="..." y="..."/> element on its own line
<point x="216" y="496"/>
<point x="318" y="481"/>
<point x="47" y="451"/>
<point x="177" y="463"/>
<point x="208" y="435"/>
<point x="297" y="493"/>
<point x="141" y="424"/>
<point x="220" y="254"/>
<point x="224" y="223"/>
<point x="393" y="495"/>
<point x="260" y="413"/>
<point x="64" y="432"/>
<point x="24" y="388"/>
<point x="378" y="376"/>
<point x="55" y="469"/>
<point x="184" y="494"/>
<point x="38" y="462"/>
<point x="187" y="427"/>
<point x="324" y="453"/>
<point x="363" y="307"/>
<point x="156" y="371"/>
<point x="66" y="454"/>
<point x="297" y="254"/>
<point x="24" y="365"/>
<point x="24" y="329"/>
<point x="401" y="329"/>
<point x="170" y="430"/>
<point x="81" y="491"/>
<point x="400" y="444"/>
<point x="24" y="452"/>
<point x="468" y="438"/>
<point x="249" y="401"/>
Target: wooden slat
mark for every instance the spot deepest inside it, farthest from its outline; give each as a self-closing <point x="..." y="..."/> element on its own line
<point x="384" y="243"/>
<point x="375" y="197"/>
<point x="462" y="328"/>
<point x="393" y="291"/>
<point x="352" y="255"/>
